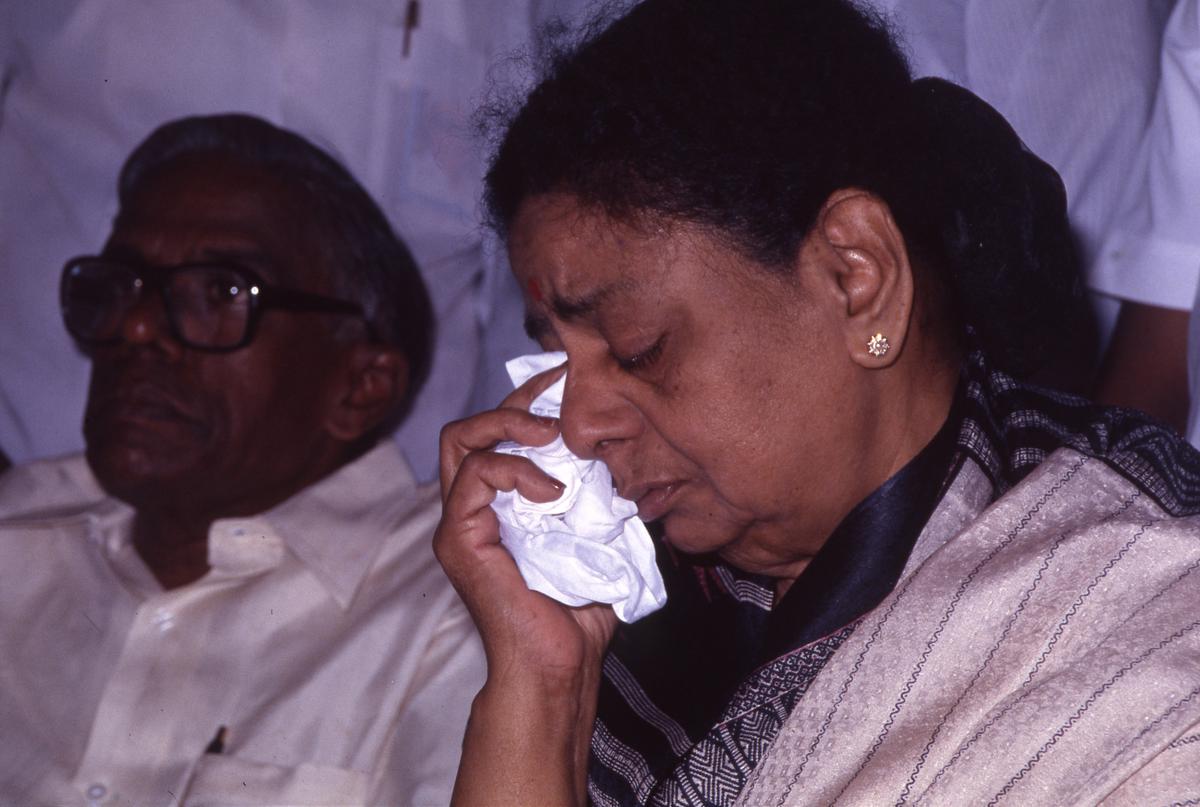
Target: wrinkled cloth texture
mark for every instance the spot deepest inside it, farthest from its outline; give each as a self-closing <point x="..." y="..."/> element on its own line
<point x="1044" y="653"/>
<point x="325" y="648"/>
<point x="588" y="545"/>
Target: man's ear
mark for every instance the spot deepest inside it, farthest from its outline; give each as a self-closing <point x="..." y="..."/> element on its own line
<point x="868" y="272"/>
<point x="377" y="381"/>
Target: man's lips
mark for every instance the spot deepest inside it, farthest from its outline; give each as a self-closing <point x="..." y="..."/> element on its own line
<point x="654" y="500"/>
<point x="143" y="403"/>
<point x="144" y="410"/>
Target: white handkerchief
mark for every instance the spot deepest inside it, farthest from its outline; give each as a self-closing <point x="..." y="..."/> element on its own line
<point x="588" y="545"/>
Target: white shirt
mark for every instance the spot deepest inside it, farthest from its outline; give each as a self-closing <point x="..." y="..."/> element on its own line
<point x="1152" y="254"/>
<point x="1076" y="80"/>
<point x="325" y="646"/>
<point x="82" y="83"/>
<point x="1160" y="246"/>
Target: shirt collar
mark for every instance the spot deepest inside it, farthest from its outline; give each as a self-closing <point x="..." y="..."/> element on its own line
<point x="337" y="526"/>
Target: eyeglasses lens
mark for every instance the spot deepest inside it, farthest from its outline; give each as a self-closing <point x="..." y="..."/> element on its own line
<point x="208" y="306"/>
<point x="96" y="295"/>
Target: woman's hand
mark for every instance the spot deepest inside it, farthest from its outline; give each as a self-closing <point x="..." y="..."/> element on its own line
<point x="527" y="740"/>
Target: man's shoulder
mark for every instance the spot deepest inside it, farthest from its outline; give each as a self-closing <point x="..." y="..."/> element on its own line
<point x="407" y="541"/>
<point x="369" y="521"/>
<point x="49" y="488"/>
<point x="413" y="523"/>
<point x="377" y="494"/>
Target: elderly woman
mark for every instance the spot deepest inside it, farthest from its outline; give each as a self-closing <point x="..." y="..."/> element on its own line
<point x="788" y="280"/>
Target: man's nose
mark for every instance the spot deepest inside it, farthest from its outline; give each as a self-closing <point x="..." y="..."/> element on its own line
<point x="595" y="419"/>
<point x="145" y="323"/>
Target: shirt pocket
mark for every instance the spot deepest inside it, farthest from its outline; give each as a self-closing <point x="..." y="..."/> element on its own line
<point x="227" y="781"/>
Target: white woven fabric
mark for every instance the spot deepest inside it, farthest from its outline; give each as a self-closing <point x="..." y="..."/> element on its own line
<point x="1043" y="652"/>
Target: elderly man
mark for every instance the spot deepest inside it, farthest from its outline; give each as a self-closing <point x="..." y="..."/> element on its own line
<point x="232" y="599"/>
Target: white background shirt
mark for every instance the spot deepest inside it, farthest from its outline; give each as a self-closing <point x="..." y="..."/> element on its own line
<point x="325" y="641"/>
<point x="81" y="83"/>
<point x="84" y="82"/>
<point x="1075" y="78"/>
<point x="1152" y="254"/>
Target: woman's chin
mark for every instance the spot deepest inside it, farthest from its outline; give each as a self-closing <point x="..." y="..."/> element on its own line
<point x="693" y="536"/>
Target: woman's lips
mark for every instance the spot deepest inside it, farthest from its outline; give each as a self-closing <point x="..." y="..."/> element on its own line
<point x="655" y="502"/>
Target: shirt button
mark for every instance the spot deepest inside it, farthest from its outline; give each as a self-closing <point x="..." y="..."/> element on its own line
<point x="164" y="619"/>
<point x="97" y="791"/>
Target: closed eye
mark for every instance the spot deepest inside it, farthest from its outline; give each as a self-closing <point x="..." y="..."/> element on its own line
<point x="643" y="359"/>
<point x="536" y="326"/>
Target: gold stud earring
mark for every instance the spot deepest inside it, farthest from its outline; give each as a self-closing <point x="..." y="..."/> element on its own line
<point x="878" y="345"/>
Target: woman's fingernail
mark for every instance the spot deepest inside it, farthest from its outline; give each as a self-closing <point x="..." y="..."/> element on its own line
<point x="559" y="486"/>
<point x="547" y="421"/>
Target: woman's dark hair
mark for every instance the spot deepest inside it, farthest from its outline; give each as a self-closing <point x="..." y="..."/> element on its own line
<point x="368" y="263"/>
<point x="745" y="115"/>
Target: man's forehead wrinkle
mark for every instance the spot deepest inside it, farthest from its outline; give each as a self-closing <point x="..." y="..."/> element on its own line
<point x="248" y="256"/>
<point x="122" y="252"/>
<point x="254" y="235"/>
<point x="245" y="252"/>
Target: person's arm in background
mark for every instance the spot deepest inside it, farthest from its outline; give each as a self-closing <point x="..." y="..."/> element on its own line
<point x="1152" y="256"/>
<point x="5" y="464"/>
<point x="1146" y="364"/>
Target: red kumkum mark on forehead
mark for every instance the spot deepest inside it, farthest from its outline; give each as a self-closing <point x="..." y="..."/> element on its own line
<point x="535" y="291"/>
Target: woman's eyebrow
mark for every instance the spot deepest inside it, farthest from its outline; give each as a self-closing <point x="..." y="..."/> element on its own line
<point x="566" y="308"/>
<point x="571" y="308"/>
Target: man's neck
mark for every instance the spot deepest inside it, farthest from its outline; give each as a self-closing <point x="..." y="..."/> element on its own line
<point x="174" y="547"/>
<point x="173" y="540"/>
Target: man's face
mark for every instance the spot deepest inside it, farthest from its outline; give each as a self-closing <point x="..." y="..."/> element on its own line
<point x="221" y="434"/>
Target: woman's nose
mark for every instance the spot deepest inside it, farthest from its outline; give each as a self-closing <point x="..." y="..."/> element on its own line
<point x="595" y="419"/>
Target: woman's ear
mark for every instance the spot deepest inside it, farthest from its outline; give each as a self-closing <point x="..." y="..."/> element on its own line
<point x="376" y="385"/>
<point x="868" y="272"/>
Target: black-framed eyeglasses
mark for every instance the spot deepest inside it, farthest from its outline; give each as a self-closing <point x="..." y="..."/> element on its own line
<point x="210" y="305"/>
